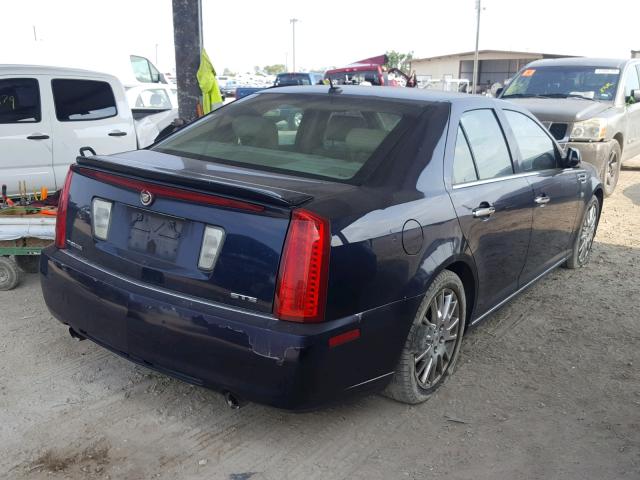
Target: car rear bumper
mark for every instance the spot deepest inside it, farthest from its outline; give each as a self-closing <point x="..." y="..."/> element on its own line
<point x="595" y="153"/>
<point x="255" y="356"/>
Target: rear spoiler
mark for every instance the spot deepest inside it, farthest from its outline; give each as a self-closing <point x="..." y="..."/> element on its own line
<point x="216" y="185"/>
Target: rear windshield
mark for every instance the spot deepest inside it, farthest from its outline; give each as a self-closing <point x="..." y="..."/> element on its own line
<point x="324" y="136"/>
<point x="562" y="81"/>
<point x="355" y="78"/>
<point x="292" y="79"/>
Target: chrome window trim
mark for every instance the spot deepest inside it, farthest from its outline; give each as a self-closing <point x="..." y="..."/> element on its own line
<point x="515" y="175"/>
<point x="165" y="291"/>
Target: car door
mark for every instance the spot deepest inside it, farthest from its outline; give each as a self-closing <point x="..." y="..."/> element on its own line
<point x="556" y="194"/>
<point x="25" y="135"/>
<point x="493" y="206"/>
<point x="89" y="112"/>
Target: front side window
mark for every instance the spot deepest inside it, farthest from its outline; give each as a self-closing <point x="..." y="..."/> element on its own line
<point x="630" y="82"/>
<point x="562" y="81"/>
<point x="537" y="151"/>
<point x="311" y="135"/>
<point x="19" y="100"/>
<point x="487" y="144"/>
<point x="141" y="69"/>
<point x="77" y="100"/>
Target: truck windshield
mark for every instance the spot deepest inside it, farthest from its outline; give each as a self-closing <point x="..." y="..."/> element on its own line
<point x="331" y="137"/>
<point x="562" y="81"/>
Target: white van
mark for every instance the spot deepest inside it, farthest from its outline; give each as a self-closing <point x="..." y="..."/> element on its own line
<point x="48" y="113"/>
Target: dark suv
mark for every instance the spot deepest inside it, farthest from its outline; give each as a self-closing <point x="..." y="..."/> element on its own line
<point x="590" y="104"/>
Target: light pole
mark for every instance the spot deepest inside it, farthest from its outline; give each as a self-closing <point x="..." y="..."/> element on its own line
<point x="475" y="58"/>
<point x="293" y="22"/>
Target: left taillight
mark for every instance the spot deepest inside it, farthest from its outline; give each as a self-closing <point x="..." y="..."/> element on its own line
<point x="301" y="292"/>
<point x="61" y="219"/>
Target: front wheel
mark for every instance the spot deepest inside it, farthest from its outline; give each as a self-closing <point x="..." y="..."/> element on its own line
<point x="584" y="239"/>
<point x="612" y="169"/>
<point x="433" y="344"/>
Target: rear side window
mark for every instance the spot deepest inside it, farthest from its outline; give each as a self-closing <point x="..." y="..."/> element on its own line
<point x="463" y="167"/>
<point x="153" y="98"/>
<point x="536" y="148"/>
<point x="83" y="100"/>
<point x="19" y="100"/>
<point x="487" y="144"/>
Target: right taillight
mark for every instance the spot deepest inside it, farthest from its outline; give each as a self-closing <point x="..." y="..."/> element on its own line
<point x="61" y="219"/>
<point x="301" y="292"/>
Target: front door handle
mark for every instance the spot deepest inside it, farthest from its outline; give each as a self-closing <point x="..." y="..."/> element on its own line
<point x="542" y="200"/>
<point x="117" y="133"/>
<point x="37" y="136"/>
<point x="483" y="211"/>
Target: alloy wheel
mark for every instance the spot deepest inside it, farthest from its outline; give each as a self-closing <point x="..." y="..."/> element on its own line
<point x="440" y="330"/>
<point x="587" y="233"/>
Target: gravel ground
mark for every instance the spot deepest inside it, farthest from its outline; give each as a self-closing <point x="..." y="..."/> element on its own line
<point x="547" y="388"/>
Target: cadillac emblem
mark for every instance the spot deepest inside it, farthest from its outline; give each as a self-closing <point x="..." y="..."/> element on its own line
<point x="146" y="198"/>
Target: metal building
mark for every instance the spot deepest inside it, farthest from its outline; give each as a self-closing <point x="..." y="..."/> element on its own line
<point x="495" y="66"/>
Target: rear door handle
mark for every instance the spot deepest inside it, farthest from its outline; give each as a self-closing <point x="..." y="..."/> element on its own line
<point x="37" y="136"/>
<point x="542" y="200"/>
<point x="483" y="211"/>
<point x="117" y="133"/>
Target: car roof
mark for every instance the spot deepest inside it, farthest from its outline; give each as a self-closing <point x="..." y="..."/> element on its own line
<point x="396" y="93"/>
<point x="581" y="62"/>
<point x="18" y="69"/>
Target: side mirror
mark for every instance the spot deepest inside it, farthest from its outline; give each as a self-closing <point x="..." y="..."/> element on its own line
<point x="572" y="157"/>
<point x="499" y="91"/>
<point x="635" y="95"/>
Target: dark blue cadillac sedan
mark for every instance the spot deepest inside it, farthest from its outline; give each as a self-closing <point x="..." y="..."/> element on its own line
<point x="306" y="243"/>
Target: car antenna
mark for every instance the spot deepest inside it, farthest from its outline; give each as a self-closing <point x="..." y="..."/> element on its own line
<point x="332" y="88"/>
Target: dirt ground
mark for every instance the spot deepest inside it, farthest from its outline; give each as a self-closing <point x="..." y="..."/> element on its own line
<point x="547" y="388"/>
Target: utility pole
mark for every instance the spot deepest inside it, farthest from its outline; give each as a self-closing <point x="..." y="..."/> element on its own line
<point x="187" y="37"/>
<point x="475" y="58"/>
<point x="293" y="25"/>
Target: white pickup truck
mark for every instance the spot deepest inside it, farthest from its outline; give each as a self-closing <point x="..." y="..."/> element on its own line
<point x="47" y="114"/>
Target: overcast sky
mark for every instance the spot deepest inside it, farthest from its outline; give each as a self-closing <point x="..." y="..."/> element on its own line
<point x="241" y="34"/>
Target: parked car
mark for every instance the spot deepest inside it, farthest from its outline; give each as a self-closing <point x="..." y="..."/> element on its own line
<point x="590" y="104"/>
<point x="287" y="79"/>
<point x="47" y="114"/>
<point x="347" y="253"/>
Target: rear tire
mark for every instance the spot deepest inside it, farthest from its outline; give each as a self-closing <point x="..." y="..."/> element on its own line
<point x="9" y="274"/>
<point x="584" y="237"/>
<point x="433" y="344"/>
<point x="612" y="169"/>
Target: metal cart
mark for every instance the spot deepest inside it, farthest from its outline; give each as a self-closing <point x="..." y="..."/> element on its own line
<point x="24" y="232"/>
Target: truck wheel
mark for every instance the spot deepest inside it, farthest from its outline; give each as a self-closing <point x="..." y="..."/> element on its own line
<point x="9" y="274"/>
<point x="28" y="263"/>
<point x="612" y="169"/>
<point x="433" y="344"/>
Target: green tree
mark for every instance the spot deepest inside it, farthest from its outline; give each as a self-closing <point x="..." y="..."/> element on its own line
<point x="399" y="60"/>
<point x="274" y="69"/>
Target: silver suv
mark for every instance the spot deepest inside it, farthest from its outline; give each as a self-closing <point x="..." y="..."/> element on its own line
<point x="591" y="104"/>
